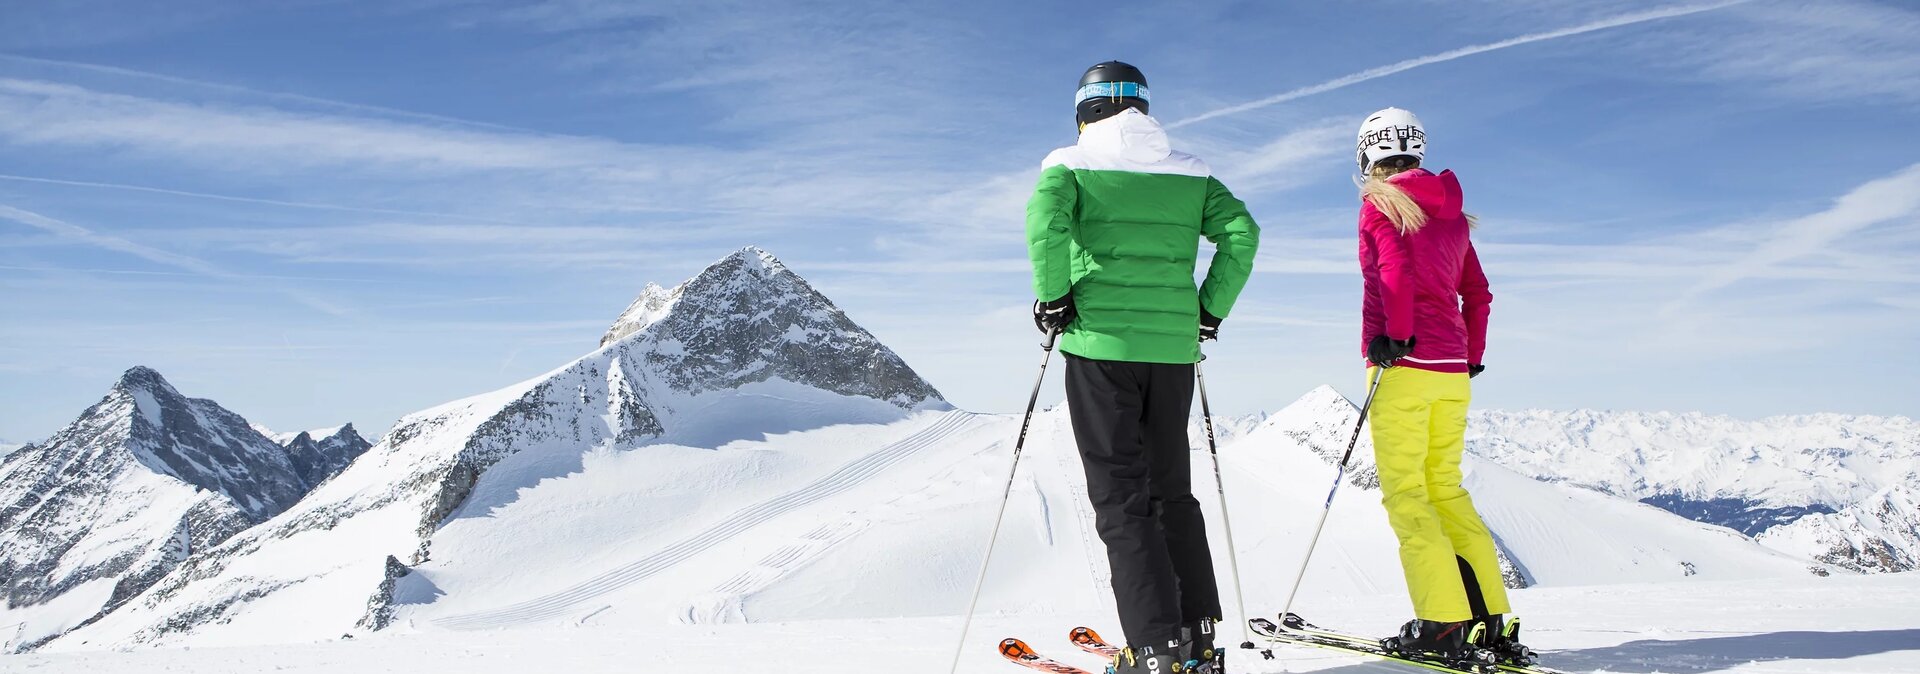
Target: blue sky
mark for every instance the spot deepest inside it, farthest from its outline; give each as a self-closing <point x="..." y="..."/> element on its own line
<point x="317" y="212"/>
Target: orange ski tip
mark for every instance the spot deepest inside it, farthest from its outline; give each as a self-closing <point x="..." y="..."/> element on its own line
<point x="1085" y="635"/>
<point x="1015" y="648"/>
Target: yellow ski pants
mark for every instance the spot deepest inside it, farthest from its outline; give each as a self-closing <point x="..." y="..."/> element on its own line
<point x="1419" y="421"/>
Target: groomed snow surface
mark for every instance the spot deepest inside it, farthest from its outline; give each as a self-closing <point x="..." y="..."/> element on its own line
<point x="1853" y="624"/>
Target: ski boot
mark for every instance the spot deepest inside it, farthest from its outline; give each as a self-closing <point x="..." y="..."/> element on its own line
<point x="1502" y="639"/>
<point x="1202" y="656"/>
<point x="1148" y="660"/>
<point x="1145" y="660"/>
<point x="1452" y="644"/>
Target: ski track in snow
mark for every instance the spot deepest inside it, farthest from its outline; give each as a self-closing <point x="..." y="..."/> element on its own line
<point x="723" y="603"/>
<point x="850" y="475"/>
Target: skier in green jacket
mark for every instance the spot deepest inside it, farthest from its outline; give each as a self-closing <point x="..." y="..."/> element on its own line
<point x="1113" y="230"/>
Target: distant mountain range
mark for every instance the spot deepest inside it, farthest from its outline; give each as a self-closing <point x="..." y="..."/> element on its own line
<point x="1837" y="488"/>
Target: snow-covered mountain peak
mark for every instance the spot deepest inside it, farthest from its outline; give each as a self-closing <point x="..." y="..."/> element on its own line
<point x="192" y="440"/>
<point x="141" y="481"/>
<point x="1320" y="400"/>
<point x="747" y="318"/>
<point x="1321" y="421"/>
<point x="748" y="270"/>
<point x="144" y="388"/>
<point x="141" y="376"/>
<point x="320" y="454"/>
<point x="653" y="304"/>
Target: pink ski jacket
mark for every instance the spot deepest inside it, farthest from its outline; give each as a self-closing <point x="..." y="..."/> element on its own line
<point x="1426" y="284"/>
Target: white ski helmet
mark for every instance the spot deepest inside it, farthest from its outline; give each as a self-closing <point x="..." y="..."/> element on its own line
<point x="1389" y="133"/>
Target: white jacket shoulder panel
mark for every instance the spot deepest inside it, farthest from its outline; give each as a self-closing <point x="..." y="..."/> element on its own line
<point x="1129" y="141"/>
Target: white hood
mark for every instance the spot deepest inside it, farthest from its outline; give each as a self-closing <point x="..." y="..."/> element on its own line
<point x="1131" y="135"/>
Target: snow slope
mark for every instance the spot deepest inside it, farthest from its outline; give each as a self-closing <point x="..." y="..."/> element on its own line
<point x="749" y="350"/>
<point x="1549" y="534"/>
<point x="890" y="520"/>
<point x="884" y="517"/>
<point x="1839" y="625"/>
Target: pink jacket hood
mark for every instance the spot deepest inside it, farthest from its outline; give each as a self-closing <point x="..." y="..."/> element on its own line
<point x="1438" y="195"/>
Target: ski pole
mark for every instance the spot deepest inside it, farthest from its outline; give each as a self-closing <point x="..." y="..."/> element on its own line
<point x="1338" y="476"/>
<point x="1226" y="522"/>
<point x="1005" y="494"/>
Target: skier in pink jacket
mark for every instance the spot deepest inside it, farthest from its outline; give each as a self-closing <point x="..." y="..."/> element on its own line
<point x="1425" y="320"/>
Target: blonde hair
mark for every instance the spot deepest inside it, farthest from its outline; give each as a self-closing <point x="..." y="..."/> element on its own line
<point x="1393" y="202"/>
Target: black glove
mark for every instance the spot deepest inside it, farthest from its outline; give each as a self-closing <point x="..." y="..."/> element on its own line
<point x="1209" y="325"/>
<point x="1055" y="316"/>
<point x="1383" y="350"/>
<point x="1475" y="369"/>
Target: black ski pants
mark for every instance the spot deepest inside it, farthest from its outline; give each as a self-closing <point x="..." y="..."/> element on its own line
<point x="1130" y="421"/>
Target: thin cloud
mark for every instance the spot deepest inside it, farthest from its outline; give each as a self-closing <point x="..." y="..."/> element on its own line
<point x="1884" y="200"/>
<point x="1814" y="52"/>
<point x="39" y="112"/>
<point x="151" y="254"/>
<point x="252" y="200"/>
<point x="496" y="171"/>
<point x="150" y="272"/>
<point x="233" y="89"/>
<point x="113" y="243"/>
<point x="1280" y="163"/>
<point x="1463" y="52"/>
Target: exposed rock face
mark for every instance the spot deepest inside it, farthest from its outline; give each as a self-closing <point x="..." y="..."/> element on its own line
<point x="650" y="306"/>
<point x="317" y="459"/>
<point x="1880" y="534"/>
<point x="748" y="319"/>
<point x="744" y="321"/>
<point x="141" y="481"/>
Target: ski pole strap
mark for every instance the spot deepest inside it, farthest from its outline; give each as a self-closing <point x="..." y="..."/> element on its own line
<point x="1338" y="477"/>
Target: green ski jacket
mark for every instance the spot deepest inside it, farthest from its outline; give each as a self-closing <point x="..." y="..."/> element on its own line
<point x="1117" y="220"/>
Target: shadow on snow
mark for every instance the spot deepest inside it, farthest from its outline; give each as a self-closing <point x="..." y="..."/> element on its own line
<point x="1713" y="654"/>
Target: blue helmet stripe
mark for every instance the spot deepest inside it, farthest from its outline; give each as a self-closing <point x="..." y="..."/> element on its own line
<point x="1112" y="90"/>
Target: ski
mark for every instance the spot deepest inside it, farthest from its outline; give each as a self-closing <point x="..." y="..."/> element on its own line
<point x="1090" y="641"/>
<point x="1019" y="653"/>
<point x="1271" y="632"/>
<point x="1294" y="623"/>
<point x="1296" y="626"/>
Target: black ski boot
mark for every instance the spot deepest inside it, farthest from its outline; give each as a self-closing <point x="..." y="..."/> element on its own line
<point x="1502" y="639"/>
<point x="1202" y="656"/>
<point x="1450" y="643"/>
<point x="1148" y="660"/>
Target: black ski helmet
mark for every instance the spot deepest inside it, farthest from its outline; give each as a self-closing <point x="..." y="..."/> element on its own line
<point x="1106" y="89"/>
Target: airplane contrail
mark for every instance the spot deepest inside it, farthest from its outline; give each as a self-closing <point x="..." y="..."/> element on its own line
<point x="253" y="200"/>
<point x="249" y="91"/>
<point x="1442" y="57"/>
<point x="191" y="264"/>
